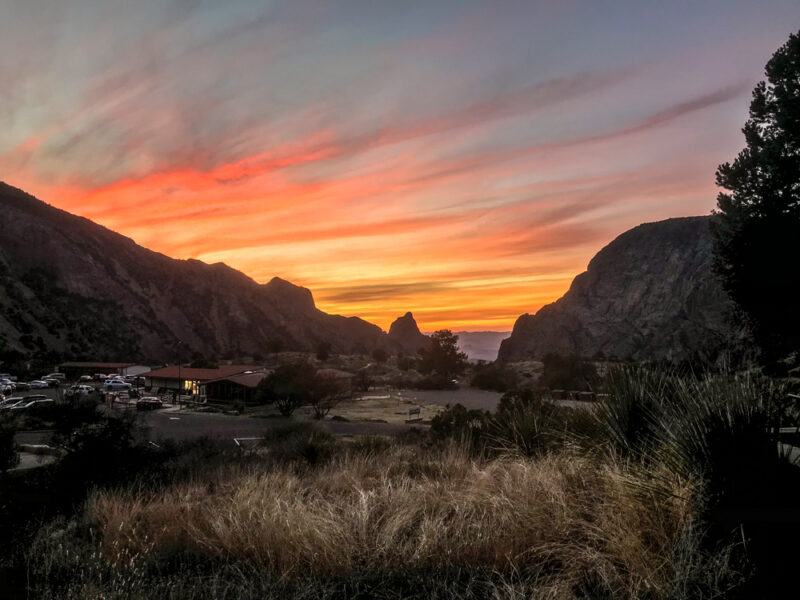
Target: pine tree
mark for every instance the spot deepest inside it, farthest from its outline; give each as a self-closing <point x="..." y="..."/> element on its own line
<point x="756" y="229"/>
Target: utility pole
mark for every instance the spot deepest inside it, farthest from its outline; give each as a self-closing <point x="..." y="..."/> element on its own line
<point x="180" y="381"/>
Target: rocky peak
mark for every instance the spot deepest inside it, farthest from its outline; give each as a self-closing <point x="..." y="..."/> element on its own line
<point x="289" y="293"/>
<point x="405" y="333"/>
<point x="648" y="295"/>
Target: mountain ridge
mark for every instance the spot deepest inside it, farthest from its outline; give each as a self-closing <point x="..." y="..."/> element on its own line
<point x="649" y="295"/>
<point x="77" y="289"/>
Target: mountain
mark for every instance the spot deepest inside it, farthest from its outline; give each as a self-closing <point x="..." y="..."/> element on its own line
<point x="406" y="334"/>
<point x="74" y="289"/>
<point x="481" y="345"/>
<point x="649" y="295"/>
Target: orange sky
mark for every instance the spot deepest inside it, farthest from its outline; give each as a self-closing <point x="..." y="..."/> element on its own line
<point x="456" y="162"/>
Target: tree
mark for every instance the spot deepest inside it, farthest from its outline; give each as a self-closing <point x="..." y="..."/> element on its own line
<point x="287" y="387"/>
<point x="380" y="356"/>
<point x="201" y="362"/>
<point x="325" y="392"/>
<point x="443" y="356"/>
<point x="323" y="351"/>
<point x="362" y="381"/>
<point x="756" y="249"/>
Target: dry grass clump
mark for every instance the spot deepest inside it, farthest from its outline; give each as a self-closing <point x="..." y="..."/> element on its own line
<point x="567" y="521"/>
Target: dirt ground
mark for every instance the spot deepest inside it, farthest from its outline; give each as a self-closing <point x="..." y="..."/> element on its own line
<point x="392" y="406"/>
<point x="386" y="407"/>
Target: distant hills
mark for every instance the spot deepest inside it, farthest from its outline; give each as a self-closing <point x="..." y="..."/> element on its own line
<point x="74" y="289"/>
<point x="481" y="345"/>
<point x="649" y="295"/>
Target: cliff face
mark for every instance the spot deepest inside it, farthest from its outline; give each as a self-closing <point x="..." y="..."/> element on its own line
<point x="405" y="333"/>
<point x="73" y="289"/>
<point x="649" y="295"/>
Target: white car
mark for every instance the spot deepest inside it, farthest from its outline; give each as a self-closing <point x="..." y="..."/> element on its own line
<point x="84" y="389"/>
<point x="114" y="384"/>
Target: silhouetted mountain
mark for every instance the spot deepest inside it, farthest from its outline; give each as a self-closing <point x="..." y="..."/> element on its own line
<point x="72" y="288"/>
<point x="405" y="333"/>
<point x="649" y="295"/>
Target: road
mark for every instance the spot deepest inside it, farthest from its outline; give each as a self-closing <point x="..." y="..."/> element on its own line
<point x="467" y="397"/>
<point x="180" y="426"/>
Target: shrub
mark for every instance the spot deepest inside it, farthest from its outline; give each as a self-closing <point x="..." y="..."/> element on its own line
<point x="723" y="428"/>
<point x="298" y="444"/>
<point x="323" y="351"/>
<point x="568" y="372"/>
<point x="462" y="425"/>
<point x="494" y="376"/>
<point x="524" y="424"/>
<point x="434" y="382"/>
<point x="9" y="457"/>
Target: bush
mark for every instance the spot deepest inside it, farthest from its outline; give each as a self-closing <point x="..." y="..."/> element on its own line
<point x="569" y="373"/>
<point x="298" y="444"/>
<point x="9" y="458"/>
<point x="494" y="376"/>
<point x="434" y="382"/>
<point x="323" y="351"/>
<point x="724" y="428"/>
<point x="524" y="424"/>
<point x="462" y="425"/>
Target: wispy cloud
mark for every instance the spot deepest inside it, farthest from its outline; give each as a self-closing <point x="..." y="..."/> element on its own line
<point x="448" y="158"/>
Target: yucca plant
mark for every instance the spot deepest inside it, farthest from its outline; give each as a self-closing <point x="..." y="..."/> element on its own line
<point x="723" y="428"/>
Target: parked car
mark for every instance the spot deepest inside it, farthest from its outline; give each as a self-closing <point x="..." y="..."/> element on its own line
<point x="52" y="381"/>
<point x="59" y="376"/>
<point x="114" y="384"/>
<point x="10" y="401"/>
<point x="6" y="388"/>
<point x="84" y="389"/>
<point x="100" y="376"/>
<point x="33" y="402"/>
<point x="148" y="403"/>
<point x="22" y="386"/>
<point x="37" y="384"/>
<point x="8" y="376"/>
<point x="18" y="401"/>
<point x="85" y="378"/>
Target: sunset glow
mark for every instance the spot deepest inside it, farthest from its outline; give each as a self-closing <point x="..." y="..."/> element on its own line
<point x="463" y="161"/>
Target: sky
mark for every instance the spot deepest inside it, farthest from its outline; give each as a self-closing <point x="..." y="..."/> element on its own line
<point x="461" y="160"/>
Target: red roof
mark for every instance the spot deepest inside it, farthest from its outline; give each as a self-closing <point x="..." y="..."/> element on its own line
<point x="199" y="374"/>
<point x="99" y="365"/>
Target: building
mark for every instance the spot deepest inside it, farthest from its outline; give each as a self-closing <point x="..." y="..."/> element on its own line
<point x="73" y="370"/>
<point x="344" y="380"/>
<point x="240" y="387"/>
<point x="188" y="380"/>
<point x="136" y="370"/>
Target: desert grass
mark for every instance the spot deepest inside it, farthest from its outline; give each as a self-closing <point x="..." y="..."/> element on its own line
<point x="565" y="521"/>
